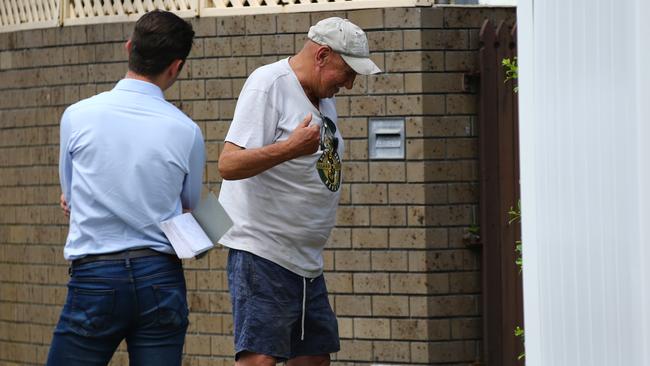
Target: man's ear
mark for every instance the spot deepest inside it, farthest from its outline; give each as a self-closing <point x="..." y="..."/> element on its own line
<point x="322" y="55"/>
<point x="176" y="67"/>
<point x="128" y="46"/>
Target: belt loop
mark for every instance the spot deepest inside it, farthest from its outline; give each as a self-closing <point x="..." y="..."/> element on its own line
<point x="70" y="270"/>
<point x="127" y="262"/>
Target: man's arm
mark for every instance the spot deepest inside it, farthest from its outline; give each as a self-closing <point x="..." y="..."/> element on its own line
<point x="235" y="162"/>
<point x="65" y="164"/>
<point x="191" y="193"/>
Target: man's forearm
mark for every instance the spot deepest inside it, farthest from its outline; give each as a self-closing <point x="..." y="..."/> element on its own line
<point x="239" y="163"/>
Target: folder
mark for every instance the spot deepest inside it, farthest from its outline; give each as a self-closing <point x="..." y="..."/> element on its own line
<point x="196" y="232"/>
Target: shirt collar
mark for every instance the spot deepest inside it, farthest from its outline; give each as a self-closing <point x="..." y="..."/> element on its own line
<point x="140" y="86"/>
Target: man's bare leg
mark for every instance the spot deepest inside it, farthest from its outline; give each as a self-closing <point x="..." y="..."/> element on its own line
<point x="255" y="359"/>
<point x="319" y="360"/>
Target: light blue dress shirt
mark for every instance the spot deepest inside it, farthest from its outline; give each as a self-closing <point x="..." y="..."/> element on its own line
<point x="128" y="160"/>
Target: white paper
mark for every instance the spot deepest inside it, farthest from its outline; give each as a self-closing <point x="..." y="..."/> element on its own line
<point x="186" y="236"/>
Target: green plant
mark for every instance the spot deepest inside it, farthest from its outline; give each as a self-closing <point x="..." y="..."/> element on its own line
<point x="519" y="332"/>
<point x="512" y="70"/>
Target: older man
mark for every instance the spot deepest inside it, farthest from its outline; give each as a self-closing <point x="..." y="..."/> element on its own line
<point x="281" y="165"/>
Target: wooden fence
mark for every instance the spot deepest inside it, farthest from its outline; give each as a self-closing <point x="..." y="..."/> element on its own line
<point x="499" y="191"/>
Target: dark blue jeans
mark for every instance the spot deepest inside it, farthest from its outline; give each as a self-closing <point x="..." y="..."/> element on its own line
<point x="142" y="300"/>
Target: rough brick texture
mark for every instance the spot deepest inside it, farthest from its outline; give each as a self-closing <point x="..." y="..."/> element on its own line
<point x="404" y="285"/>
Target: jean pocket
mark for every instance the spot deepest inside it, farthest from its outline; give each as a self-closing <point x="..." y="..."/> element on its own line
<point x="172" y="309"/>
<point x="90" y="310"/>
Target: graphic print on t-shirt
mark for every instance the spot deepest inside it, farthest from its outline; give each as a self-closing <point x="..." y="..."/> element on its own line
<point x="329" y="164"/>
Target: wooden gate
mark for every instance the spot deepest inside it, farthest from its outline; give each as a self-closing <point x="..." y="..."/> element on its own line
<point x="499" y="190"/>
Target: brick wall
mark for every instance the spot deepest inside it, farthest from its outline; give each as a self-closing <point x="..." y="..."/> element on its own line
<point x="404" y="285"/>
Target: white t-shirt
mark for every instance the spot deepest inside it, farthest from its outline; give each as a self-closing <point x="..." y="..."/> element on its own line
<point x="284" y="214"/>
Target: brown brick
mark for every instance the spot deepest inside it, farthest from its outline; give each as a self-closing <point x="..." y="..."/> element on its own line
<point x="367" y="19"/>
<point x="369" y="238"/>
<point x="359" y="87"/>
<point x="353" y="305"/>
<point x="449" y="215"/>
<point x="420" y="329"/>
<point x="216" y="130"/>
<point x="367" y="106"/>
<point x="357" y="260"/>
<point x="353" y="127"/>
<point x="339" y="282"/>
<point x="390" y="306"/>
<point x="387" y="171"/>
<point x="217" y="46"/>
<point x="414" y="61"/>
<point x="466" y="328"/>
<point x="403" y="17"/>
<point x="454" y="170"/>
<point x="226" y="109"/>
<point x="369" y="193"/>
<point x="278" y="44"/>
<point x="391" y="351"/>
<point x="318" y="16"/>
<point x="385" y="40"/>
<point x="417" y="283"/>
<point x="463" y="193"/>
<point x="461" y="61"/>
<point x="467" y="17"/>
<point x="246" y="46"/>
<point x="253" y="63"/>
<point x="228" y="26"/>
<point x="294" y="23"/>
<point x="465" y="282"/>
<point x="416" y="215"/>
<point x="353" y="216"/>
<point x="462" y="148"/>
<point x="356" y="150"/>
<point x="406" y="193"/>
<point x="345" y="198"/>
<point x="261" y="24"/>
<point x="386" y="83"/>
<point x="436" y="39"/>
<point x="345" y="327"/>
<point x="371" y="283"/>
<point x="222" y="345"/>
<point x="197" y="344"/>
<point x="438" y="260"/>
<point x="229" y="67"/>
<point x="340" y="238"/>
<point x="204" y="109"/>
<point x="355" y="171"/>
<point x="461" y="104"/>
<point x="464" y="351"/>
<point x="389" y="260"/>
<point x="356" y="350"/>
<point x="192" y="89"/>
<point x="388" y="216"/>
<point x="369" y="328"/>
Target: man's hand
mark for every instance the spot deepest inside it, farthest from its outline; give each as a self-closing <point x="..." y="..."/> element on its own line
<point x="64" y="206"/>
<point x="304" y="140"/>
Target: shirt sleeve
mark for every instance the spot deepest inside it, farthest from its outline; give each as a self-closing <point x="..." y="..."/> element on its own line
<point x="65" y="158"/>
<point x="191" y="193"/>
<point x="255" y="120"/>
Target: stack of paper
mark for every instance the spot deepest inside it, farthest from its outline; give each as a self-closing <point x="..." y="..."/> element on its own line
<point x="195" y="232"/>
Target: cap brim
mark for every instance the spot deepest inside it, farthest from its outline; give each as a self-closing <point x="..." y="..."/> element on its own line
<point x="362" y="65"/>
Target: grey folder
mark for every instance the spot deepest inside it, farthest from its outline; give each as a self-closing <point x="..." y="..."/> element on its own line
<point x="212" y="217"/>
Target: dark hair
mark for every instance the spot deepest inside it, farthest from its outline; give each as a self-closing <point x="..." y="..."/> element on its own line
<point x="159" y="38"/>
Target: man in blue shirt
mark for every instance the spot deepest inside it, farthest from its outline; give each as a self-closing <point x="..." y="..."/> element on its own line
<point x="128" y="160"/>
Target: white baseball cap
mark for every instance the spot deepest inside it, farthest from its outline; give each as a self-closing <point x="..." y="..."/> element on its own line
<point x="346" y="39"/>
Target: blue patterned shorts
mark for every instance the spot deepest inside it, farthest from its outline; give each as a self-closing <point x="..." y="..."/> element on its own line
<point x="268" y="312"/>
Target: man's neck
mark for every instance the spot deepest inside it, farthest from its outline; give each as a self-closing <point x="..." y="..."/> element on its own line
<point x="133" y="75"/>
<point x="299" y="68"/>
